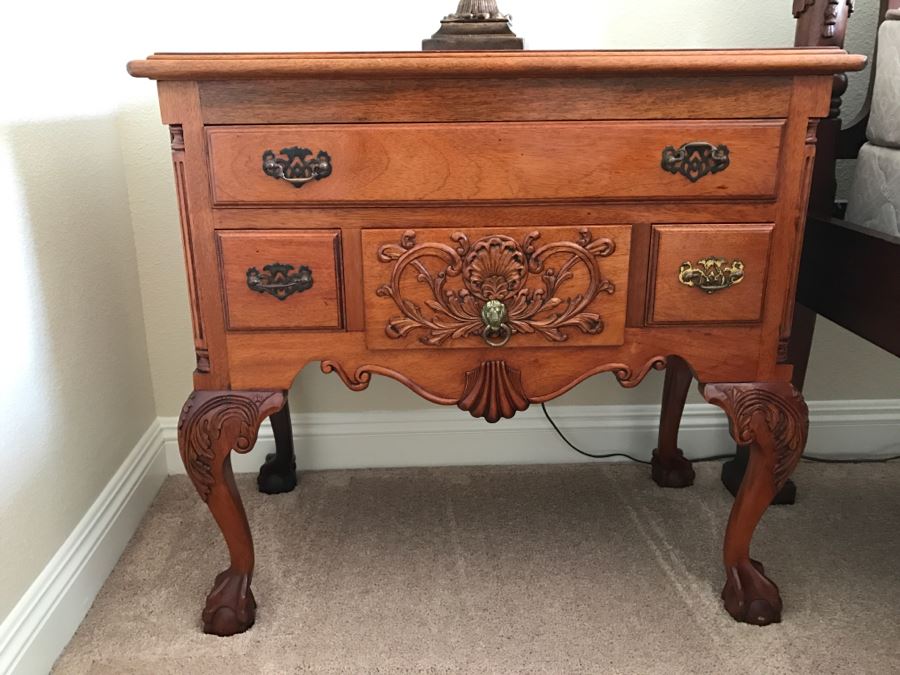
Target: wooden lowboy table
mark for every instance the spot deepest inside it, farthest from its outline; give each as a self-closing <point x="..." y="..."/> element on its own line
<point x="491" y="229"/>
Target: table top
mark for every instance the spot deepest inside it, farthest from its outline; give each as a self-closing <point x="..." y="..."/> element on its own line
<point x="792" y="61"/>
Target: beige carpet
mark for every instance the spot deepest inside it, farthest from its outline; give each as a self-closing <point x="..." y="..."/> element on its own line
<point x="562" y="569"/>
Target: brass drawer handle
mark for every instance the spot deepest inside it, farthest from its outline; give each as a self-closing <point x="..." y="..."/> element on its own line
<point x="297" y="167"/>
<point x="711" y="274"/>
<point x="496" y="331"/>
<point x="695" y="160"/>
<point x="280" y="281"/>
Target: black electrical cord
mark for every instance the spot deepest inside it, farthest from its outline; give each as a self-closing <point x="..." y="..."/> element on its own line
<point x="713" y="458"/>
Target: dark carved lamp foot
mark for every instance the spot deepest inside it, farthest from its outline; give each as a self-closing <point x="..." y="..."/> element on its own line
<point x="230" y="606"/>
<point x="277" y="476"/>
<point x="750" y="596"/>
<point x="672" y="472"/>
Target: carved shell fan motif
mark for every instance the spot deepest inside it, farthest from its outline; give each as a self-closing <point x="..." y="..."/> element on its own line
<point x="495" y="286"/>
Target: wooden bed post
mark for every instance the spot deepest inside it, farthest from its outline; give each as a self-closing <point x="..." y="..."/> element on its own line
<point x="823" y="23"/>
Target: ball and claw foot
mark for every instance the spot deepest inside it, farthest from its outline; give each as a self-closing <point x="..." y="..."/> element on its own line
<point x="750" y="596"/>
<point x="676" y="472"/>
<point x="230" y="606"/>
<point x="277" y="477"/>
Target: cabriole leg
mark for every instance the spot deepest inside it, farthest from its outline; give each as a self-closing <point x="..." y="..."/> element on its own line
<point x="212" y="424"/>
<point x="279" y="473"/>
<point x="773" y="421"/>
<point x="669" y="467"/>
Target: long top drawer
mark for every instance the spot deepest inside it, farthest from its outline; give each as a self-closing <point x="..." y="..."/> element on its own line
<point x="312" y="164"/>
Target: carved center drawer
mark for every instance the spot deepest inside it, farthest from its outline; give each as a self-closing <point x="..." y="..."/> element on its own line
<point x="506" y="288"/>
<point x="314" y="164"/>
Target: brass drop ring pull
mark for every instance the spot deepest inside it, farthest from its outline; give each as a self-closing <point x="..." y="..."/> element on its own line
<point x="711" y="274"/>
<point x="496" y="331"/>
<point x="497" y="337"/>
<point x="297" y="166"/>
<point x="298" y="182"/>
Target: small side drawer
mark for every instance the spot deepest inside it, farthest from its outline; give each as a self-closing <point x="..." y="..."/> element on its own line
<point x="285" y="280"/>
<point x="708" y="273"/>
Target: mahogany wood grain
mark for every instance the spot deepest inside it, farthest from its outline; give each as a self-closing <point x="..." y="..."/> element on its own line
<point x="176" y="135"/>
<point x="212" y="424"/>
<point x="497" y="161"/>
<point x="491" y="100"/>
<point x="638" y="279"/>
<point x="180" y="105"/>
<point x="198" y="67"/>
<point x="773" y="420"/>
<point x="318" y="307"/>
<point x="669" y="466"/>
<point x="440" y="375"/>
<point x="352" y="256"/>
<point x="351" y="220"/>
<point x="462" y="214"/>
<point x="495" y="146"/>
<point x="806" y="105"/>
<point x="607" y="303"/>
<point x="673" y="302"/>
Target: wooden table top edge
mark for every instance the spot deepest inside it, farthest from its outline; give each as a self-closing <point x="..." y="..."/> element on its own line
<point x="571" y="64"/>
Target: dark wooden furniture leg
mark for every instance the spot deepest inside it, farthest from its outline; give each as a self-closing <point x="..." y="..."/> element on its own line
<point x="279" y="473"/>
<point x="669" y="466"/>
<point x="212" y="424"/>
<point x="773" y="421"/>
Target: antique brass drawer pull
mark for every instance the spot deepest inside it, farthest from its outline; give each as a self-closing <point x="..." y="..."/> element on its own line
<point x="711" y="274"/>
<point x="695" y="160"/>
<point x="496" y="331"/>
<point x="297" y="166"/>
<point x="279" y="281"/>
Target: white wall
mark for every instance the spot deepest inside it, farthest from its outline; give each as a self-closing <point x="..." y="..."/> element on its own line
<point x="75" y="389"/>
<point x="85" y="159"/>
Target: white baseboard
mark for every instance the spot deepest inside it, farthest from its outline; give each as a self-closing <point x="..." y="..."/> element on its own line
<point x="447" y="437"/>
<point x="41" y="624"/>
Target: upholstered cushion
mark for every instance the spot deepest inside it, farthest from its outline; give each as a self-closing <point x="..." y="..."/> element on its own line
<point x="874" y="200"/>
<point x="884" y="122"/>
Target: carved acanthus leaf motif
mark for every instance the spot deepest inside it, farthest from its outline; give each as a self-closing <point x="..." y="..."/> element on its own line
<point x="778" y="407"/>
<point x="495" y="268"/>
<point x="213" y="423"/>
<point x="493" y="391"/>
